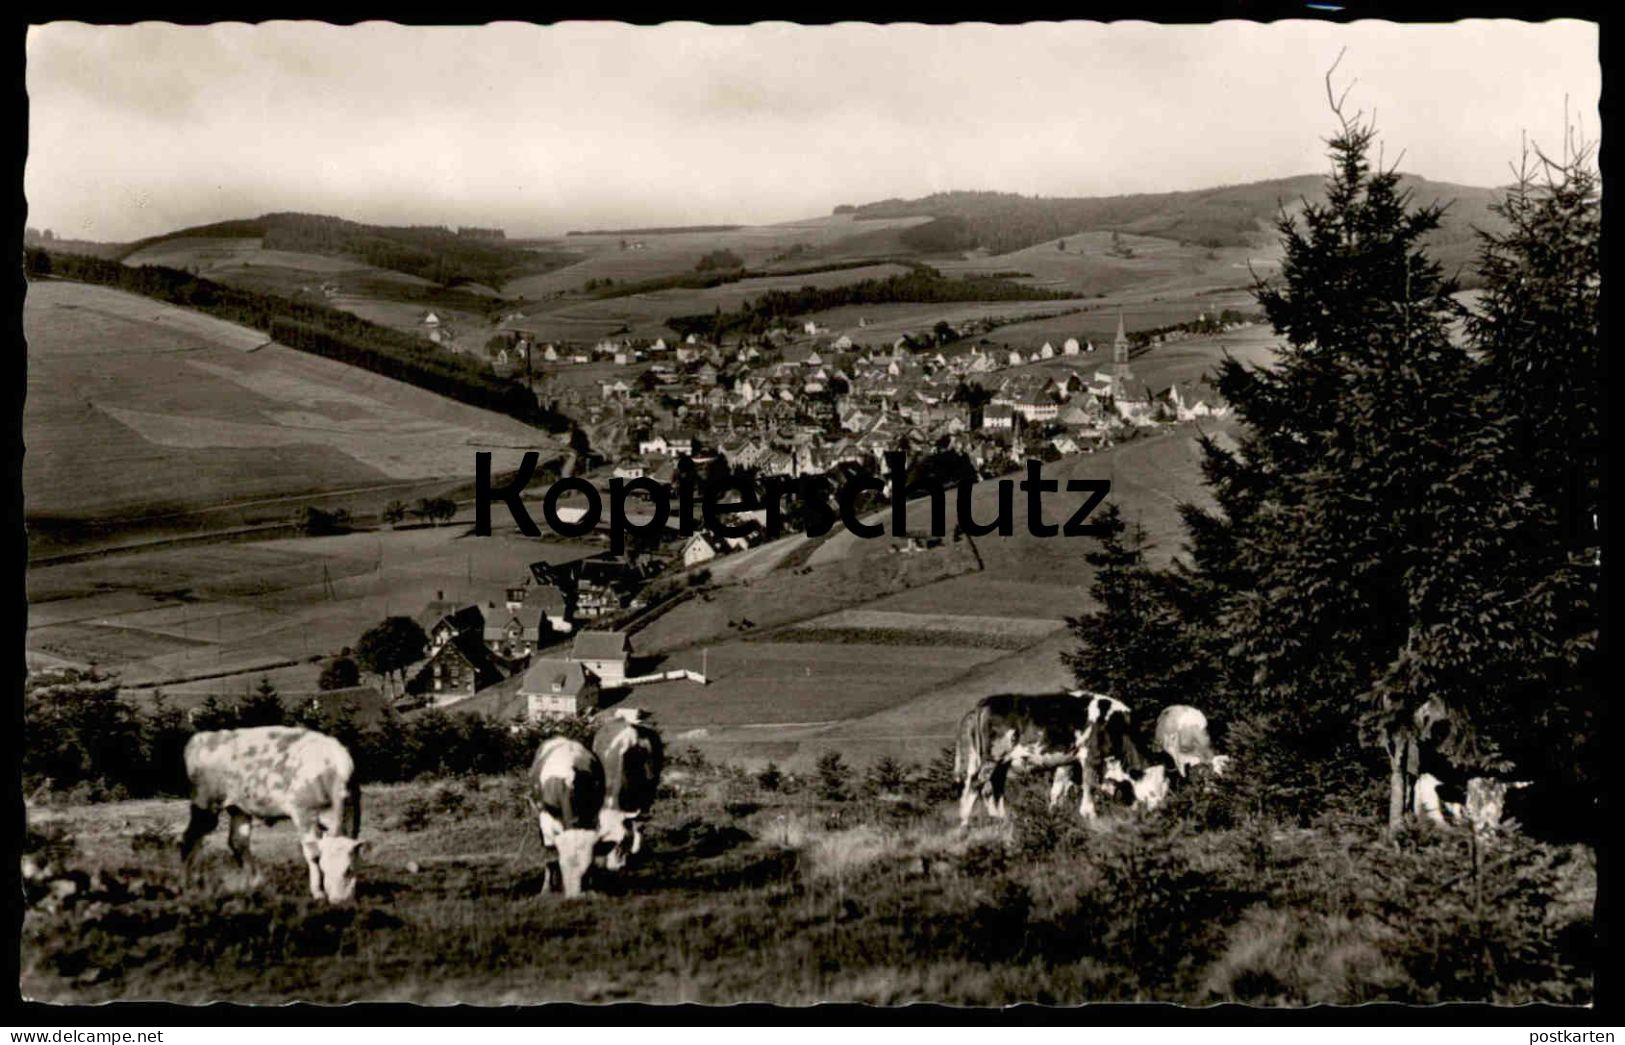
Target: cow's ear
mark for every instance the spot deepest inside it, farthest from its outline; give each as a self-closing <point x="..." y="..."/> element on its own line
<point x="360" y="847"/>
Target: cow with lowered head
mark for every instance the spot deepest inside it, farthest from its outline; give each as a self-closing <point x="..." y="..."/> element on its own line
<point x="630" y="750"/>
<point x="567" y="795"/>
<point x="272" y="773"/>
<point x="1084" y="739"/>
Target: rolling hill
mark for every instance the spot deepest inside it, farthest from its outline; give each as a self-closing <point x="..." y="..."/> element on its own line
<point x="1236" y="216"/>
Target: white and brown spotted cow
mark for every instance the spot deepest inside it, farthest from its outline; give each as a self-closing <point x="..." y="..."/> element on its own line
<point x="631" y="752"/>
<point x="273" y="773"/>
<point x="567" y="784"/>
<point x="1074" y="734"/>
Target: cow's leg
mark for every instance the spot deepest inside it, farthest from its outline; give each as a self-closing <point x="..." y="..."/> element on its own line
<point x="1426" y="799"/>
<point x="1060" y="784"/>
<point x="1086" y="804"/>
<point x="967" y="799"/>
<point x="997" y="780"/>
<point x="203" y="821"/>
<point x="550" y="830"/>
<point x="238" y="838"/>
<point x="310" y="834"/>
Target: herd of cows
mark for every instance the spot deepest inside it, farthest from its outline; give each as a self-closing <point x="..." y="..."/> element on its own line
<point x="589" y="801"/>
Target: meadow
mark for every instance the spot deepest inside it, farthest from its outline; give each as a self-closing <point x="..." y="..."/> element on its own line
<point x="835" y="237"/>
<point x="217" y="618"/>
<point x="837" y="885"/>
<point x="139" y="412"/>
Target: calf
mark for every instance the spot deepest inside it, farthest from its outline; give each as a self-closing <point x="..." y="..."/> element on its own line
<point x="1145" y="787"/>
<point x="273" y="773"/>
<point x="567" y="784"/>
<point x="1071" y="733"/>
<point x="631" y="752"/>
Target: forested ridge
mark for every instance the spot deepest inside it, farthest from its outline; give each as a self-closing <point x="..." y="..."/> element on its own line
<point x="434" y="252"/>
<point x="1229" y="216"/>
<point x="311" y="328"/>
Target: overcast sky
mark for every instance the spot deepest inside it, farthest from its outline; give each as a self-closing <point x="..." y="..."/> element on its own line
<point x="137" y="130"/>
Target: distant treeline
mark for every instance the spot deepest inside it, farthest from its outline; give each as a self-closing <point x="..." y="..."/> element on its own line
<point x="924" y="284"/>
<point x="312" y="328"/>
<point x="87" y="742"/>
<point x="608" y="288"/>
<point x="433" y="252"/>
<point x="669" y="230"/>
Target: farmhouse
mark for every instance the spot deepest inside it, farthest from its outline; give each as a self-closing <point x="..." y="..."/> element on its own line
<point x="555" y="686"/>
<point x="697" y="550"/>
<point x="514" y="641"/>
<point x="604" y="653"/>
<point x="458" y="668"/>
<point x="601" y="584"/>
<point x="443" y="621"/>
<point x="998" y="417"/>
<point x="1193" y="399"/>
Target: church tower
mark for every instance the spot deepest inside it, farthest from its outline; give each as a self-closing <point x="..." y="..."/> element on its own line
<point x="1120" y="368"/>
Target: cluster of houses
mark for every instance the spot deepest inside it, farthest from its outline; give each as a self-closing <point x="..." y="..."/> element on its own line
<point x="845" y="405"/>
<point x="472" y="646"/>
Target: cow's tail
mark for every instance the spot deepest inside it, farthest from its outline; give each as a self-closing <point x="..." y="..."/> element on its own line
<point x="350" y="814"/>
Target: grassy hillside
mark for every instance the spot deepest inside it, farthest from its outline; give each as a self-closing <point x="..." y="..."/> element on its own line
<point x="794" y="895"/>
<point x="139" y="410"/>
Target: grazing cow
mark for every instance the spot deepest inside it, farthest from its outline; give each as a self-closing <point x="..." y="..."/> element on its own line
<point x="273" y="773"/>
<point x="1073" y="734"/>
<point x="568" y="785"/>
<point x="1181" y="732"/>
<point x="630" y="750"/>
<point x="1481" y="802"/>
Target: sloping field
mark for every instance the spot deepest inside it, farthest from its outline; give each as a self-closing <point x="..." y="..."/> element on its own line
<point x="1156" y="265"/>
<point x="787" y="682"/>
<point x="666" y="254"/>
<point x="214" y="255"/>
<point x="233" y="609"/>
<point x="137" y="409"/>
<point x="645" y="314"/>
<point x="945" y="623"/>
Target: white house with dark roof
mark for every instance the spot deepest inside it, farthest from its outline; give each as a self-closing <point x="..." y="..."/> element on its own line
<point x="557" y="686"/>
<point x="604" y="653"/>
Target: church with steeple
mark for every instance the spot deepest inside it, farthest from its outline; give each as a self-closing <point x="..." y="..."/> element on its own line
<point x="1130" y="395"/>
<point x="1121" y="373"/>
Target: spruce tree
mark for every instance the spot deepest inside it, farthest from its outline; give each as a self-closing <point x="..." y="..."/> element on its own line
<point x="1132" y="646"/>
<point x="1367" y="552"/>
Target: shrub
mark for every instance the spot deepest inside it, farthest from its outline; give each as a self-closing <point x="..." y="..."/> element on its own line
<point x="832" y="777"/>
<point x="886" y="776"/>
<point x="769" y="778"/>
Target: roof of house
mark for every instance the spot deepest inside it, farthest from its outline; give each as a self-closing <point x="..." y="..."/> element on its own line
<point x="555" y="675"/>
<point x="461" y="616"/>
<point x="601" y="645"/>
<point x="1193" y="392"/>
<point x="1132" y="390"/>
